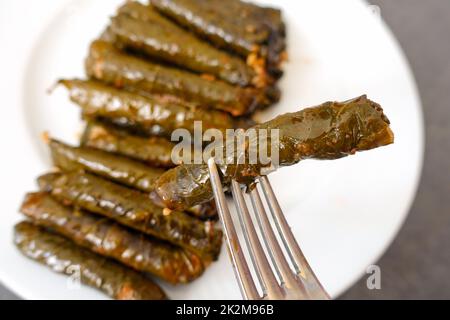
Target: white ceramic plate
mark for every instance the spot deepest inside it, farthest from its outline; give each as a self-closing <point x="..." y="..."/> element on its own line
<point x="344" y="213"/>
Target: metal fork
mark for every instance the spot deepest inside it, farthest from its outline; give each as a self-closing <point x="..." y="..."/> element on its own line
<point x="286" y="283"/>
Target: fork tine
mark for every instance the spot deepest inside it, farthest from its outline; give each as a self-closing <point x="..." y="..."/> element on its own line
<point x="240" y="205"/>
<point x="309" y="279"/>
<point x="269" y="283"/>
<point x="279" y="261"/>
<point x="240" y="267"/>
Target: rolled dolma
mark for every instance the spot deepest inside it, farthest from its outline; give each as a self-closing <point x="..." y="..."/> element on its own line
<point x="63" y="256"/>
<point x="133" y="209"/>
<point x="254" y="32"/>
<point x="153" y="151"/>
<point x="329" y="131"/>
<point x="154" y="115"/>
<point x="142" y="29"/>
<point x="108" y="64"/>
<point x="109" y="239"/>
<point x="115" y="168"/>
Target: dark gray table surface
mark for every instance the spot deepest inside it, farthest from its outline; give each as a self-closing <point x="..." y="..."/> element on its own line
<point x="416" y="266"/>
